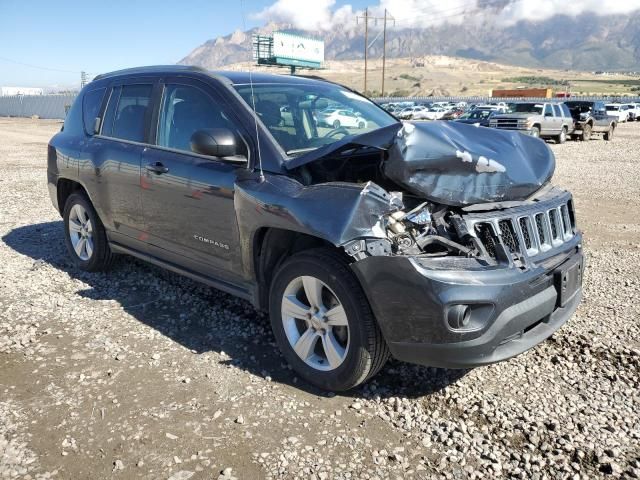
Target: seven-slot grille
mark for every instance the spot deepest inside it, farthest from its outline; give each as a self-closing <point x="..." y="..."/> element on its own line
<point x="527" y="232"/>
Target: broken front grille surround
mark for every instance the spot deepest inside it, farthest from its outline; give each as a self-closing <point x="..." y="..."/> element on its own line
<point x="525" y="231"/>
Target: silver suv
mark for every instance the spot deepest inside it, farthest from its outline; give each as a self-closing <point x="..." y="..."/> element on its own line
<point x="538" y="119"/>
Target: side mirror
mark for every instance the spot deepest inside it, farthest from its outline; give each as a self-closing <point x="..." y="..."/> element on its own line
<point x="214" y="142"/>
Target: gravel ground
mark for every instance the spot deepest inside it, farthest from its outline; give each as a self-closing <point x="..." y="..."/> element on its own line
<point x="140" y="373"/>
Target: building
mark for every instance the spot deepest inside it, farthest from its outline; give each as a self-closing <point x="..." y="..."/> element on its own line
<point x="524" y="92"/>
<point x="11" y="91"/>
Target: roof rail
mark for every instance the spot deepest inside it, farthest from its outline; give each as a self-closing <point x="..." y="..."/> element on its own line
<point x="152" y="69"/>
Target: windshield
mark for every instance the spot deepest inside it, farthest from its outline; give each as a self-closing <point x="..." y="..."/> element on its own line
<point x="526" y="108"/>
<point x="477" y="115"/>
<point x="579" y="107"/>
<point x="303" y="117"/>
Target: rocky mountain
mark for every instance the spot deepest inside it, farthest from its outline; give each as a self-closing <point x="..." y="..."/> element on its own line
<point x="585" y="42"/>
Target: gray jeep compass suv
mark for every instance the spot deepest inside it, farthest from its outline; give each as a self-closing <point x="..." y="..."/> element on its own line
<point x="438" y="243"/>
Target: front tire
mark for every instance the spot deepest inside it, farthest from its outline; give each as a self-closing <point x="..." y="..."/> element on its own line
<point x="535" y="132"/>
<point x="323" y="323"/>
<point x="336" y="124"/>
<point x="85" y="236"/>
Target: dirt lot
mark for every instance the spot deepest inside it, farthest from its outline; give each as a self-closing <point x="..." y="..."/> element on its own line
<point x="139" y="373"/>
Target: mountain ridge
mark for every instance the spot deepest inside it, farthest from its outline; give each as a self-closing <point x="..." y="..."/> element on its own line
<point x="586" y="42"/>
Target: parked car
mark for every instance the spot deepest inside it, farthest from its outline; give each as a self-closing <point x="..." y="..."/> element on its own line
<point x="632" y="111"/>
<point x="453" y="114"/>
<point x="337" y="118"/>
<point x="465" y="261"/>
<point x="590" y="118"/>
<point x="544" y="120"/>
<point x="618" y="111"/>
<point x="480" y="117"/>
<point x="410" y="112"/>
<point x="433" y="113"/>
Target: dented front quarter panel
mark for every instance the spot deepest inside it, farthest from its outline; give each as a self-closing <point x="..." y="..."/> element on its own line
<point x="335" y="212"/>
<point x="456" y="164"/>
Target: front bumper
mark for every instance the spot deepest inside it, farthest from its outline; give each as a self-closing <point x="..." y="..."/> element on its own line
<point x="512" y="309"/>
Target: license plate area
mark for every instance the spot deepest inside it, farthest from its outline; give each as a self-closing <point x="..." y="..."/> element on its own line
<point x="568" y="280"/>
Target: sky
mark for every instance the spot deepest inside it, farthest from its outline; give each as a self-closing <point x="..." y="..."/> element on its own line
<point x="47" y="43"/>
<point x="69" y="36"/>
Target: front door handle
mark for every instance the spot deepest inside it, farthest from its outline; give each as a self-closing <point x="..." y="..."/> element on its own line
<point x="157" y="167"/>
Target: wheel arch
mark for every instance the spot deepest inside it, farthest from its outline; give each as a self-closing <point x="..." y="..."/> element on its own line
<point x="64" y="188"/>
<point x="271" y="246"/>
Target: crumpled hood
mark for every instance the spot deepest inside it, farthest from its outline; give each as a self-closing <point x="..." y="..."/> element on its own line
<point x="457" y="164"/>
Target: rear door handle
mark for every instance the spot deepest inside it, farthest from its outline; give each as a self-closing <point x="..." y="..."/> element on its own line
<point x="157" y="167"/>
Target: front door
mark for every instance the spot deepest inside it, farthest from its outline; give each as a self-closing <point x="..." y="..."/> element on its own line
<point x="187" y="199"/>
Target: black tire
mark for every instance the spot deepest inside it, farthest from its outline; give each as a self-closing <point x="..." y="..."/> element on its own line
<point x="336" y="124"/>
<point x="101" y="257"/>
<point x="535" y="132"/>
<point x="563" y="136"/>
<point x="361" y="125"/>
<point x="608" y="135"/>
<point x="586" y="132"/>
<point x="366" y="352"/>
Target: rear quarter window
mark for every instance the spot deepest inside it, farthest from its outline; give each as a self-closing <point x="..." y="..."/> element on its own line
<point x="91" y="104"/>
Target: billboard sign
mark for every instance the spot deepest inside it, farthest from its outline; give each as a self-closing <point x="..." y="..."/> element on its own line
<point x="287" y="46"/>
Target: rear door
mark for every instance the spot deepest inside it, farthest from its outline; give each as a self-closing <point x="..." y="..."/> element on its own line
<point x="558" y="118"/>
<point x="187" y="198"/>
<point x="548" y="121"/>
<point x="112" y="159"/>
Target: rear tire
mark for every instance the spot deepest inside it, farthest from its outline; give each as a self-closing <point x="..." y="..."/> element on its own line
<point x="586" y="133"/>
<point x="337" y="355"/>
<point x="608" y="135"/>
<point x="562" y="138"/>
<point x="85" y="236"/>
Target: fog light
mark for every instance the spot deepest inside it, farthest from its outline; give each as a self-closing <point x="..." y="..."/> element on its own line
<point x="459" y="316"/>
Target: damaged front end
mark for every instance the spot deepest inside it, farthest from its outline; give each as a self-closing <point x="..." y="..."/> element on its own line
<point x="467" y="254"/>
<point x="430" y="179"/>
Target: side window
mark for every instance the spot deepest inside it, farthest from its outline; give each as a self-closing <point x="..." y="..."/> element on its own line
<point x="125" y="115"/>
<point x="565" y="111"/>
<point x="548" y="111"/>
<point x="556" y="111"/>
<point x="184" y="111"/>
<point x="91" y="104"/>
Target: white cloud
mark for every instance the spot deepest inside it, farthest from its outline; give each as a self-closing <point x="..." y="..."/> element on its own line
<point x="543" y="9"/>
<point x="310" y="15"/>
<point x="322" y="14"/>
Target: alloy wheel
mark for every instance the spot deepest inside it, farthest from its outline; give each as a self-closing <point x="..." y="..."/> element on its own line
<point x="315" y="323"/>
<point x="81" y="232"/>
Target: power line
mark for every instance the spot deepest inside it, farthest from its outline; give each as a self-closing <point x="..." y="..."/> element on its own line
<point x="38" y="66"/>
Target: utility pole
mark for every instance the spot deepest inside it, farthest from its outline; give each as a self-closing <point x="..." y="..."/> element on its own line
<point x="384" y="45"/>
<point x="366" y="17"/>
<point x="366" y="44"/>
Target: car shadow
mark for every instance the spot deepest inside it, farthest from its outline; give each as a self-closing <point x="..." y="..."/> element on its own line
<point x="174" y="306"/>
